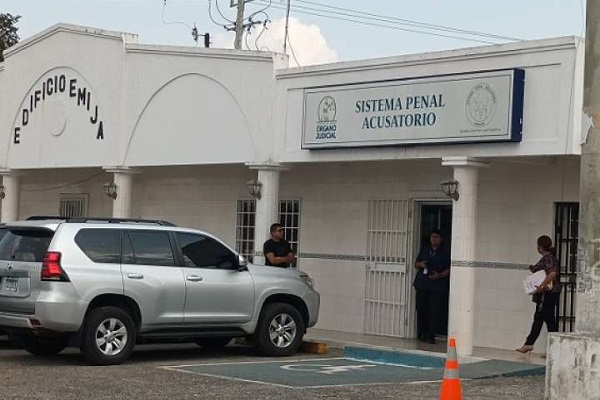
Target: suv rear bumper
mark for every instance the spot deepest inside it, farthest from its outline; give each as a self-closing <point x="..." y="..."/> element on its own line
<point x="49" y="316"/>
<point x="11" y="321"/>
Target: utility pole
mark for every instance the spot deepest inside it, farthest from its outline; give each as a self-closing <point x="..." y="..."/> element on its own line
<point x="574" y="358"/>
<point x="239" y="24"/>
<point x="287" y="24"/>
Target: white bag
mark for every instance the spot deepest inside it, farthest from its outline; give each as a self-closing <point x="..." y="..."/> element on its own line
<point x="534" y="280"/>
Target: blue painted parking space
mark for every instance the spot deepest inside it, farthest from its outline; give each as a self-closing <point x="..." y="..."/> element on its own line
<point x="322" y="372"/>
<point x="313" y="372"/>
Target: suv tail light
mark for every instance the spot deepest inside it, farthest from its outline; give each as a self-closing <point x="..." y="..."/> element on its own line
<point x="51" y="269"/>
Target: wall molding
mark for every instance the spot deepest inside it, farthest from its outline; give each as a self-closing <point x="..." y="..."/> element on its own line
<point x="454" y="263"/>
<point x="336" y="257"/>
<point x="489" y="264"/>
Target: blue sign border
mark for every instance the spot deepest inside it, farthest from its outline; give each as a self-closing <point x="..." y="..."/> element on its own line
<point x="518" y="103"/>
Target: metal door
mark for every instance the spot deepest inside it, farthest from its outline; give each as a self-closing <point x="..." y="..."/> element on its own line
<point x="566" y="235"/>
<point x="387" y="289"/>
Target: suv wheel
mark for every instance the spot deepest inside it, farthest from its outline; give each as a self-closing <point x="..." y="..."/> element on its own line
<point x="213" y="343"/>
<point x="39" y="346"/>
<point x="280" y="330"/>
<point x="108" y="336"/>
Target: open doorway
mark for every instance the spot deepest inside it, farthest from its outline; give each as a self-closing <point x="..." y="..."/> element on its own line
<point x="436" y="215"/>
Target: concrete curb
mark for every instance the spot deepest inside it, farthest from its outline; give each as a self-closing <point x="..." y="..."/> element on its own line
<point x="307" y="346"/>
<point x="393" y="357"/>
<point x="476" y="369"/>
<point x="313" y="347"/>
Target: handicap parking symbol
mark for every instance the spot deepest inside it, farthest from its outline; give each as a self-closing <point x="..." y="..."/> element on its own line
<point x="326" y="369"/>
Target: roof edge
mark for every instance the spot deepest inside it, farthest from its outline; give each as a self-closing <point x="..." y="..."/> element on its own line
<point x="77" y="29"/>
<point x="527" y="46"/>
<point x="199" y="51"/>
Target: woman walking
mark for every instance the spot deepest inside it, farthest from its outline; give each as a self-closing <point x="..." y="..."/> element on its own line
<point x="546" y="296"/>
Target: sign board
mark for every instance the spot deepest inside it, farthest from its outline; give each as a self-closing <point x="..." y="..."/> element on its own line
<point x="58" y="94"/>
<point x="462" y="108"/>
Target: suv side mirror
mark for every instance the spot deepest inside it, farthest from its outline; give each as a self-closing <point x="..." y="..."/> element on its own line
<point x="234" y="262"/>
<point x="242" y="263"/>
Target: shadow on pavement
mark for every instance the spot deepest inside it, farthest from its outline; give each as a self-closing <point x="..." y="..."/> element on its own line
<point x="4" y="342"/>
<point x="159" y="354"/>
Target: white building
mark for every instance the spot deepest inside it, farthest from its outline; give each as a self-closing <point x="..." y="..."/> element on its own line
<point x="351" y="154"/>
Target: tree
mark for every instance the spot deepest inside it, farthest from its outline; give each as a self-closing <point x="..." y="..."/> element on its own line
<point x="8" y="32"/>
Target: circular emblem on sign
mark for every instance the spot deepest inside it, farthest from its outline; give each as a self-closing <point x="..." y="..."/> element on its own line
<point x="327" y="109"/>
<point x="481" y="104"/>
<point x="55" y="117"/>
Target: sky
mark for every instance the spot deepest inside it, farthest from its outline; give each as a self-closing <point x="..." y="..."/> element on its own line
<point x="313" y="38"/>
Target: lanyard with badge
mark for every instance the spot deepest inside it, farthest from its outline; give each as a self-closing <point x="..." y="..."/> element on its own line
<point x="432" y="254"/>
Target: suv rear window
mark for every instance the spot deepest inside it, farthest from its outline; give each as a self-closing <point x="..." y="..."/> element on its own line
<point x="24" y="244"/>
<point x="148" y="248"/>
<point x="100" y="245"/>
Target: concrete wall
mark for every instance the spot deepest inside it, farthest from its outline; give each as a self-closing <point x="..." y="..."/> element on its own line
<point x="41" y="191"/>
<point x="334" y="225"/>
<point x="159" y="105"/>
<point x="196" y="197"/>
<point x="552" y="104"/>
<point x="516" y="205"/>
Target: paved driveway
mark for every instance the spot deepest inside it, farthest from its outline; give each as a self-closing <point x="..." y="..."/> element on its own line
<point x="177" y="372"/>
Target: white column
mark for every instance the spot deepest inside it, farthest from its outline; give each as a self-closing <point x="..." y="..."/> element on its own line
<point x="123" y="179"/>
<point x="267" y="207"/>
<point x="462" y="276"/>
<point x="10" y="201"/>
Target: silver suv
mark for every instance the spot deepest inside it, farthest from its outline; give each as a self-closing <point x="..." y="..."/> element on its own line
<point x="104" y="285"/>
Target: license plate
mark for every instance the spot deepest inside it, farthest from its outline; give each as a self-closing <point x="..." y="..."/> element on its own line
<point x="11" y="285"/>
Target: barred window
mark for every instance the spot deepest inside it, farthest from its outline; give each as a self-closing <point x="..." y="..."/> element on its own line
<point x="289" y="218"/>
<point x="73" y="205"/>
<point x="244" y="234"/>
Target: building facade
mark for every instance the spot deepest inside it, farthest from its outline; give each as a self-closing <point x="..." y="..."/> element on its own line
<point x="348" y="156"/>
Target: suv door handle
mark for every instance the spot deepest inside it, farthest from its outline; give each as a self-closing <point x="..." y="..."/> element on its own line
<point x="194" y="278"/>
<point x="135" y="276"/>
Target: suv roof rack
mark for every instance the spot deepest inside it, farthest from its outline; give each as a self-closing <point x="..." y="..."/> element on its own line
<point x="98" y="219"/>
<point x="43" y="217"/>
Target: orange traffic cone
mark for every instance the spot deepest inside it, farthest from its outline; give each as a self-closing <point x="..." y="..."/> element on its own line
<point x="451" y="389"/>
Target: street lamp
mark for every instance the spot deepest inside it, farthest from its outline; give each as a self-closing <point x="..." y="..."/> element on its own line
<point x="254" y="187"/>
<point x="111" y="190"/>
<point x="450" y="188"/>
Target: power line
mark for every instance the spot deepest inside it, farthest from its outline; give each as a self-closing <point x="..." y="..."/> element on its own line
<point x="239" y="26"/>
<point x="89" y="178"/>
<point x="210" y="15"/>
<point x="379" y="22"/>
<point x="171" y="23"/>
<point x="258" y="38"/>
<point x="221" y="14"/>
<point x="263" y="10"/>
<point x="410" y="22"/>
<point x="379" y="25"/>
<point x="293" y="52"/>
<point x="246" y="41"/>
<point x="287" y="25"/>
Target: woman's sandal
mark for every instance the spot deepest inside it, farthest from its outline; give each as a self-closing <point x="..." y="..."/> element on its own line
<point x="525" y="349"/>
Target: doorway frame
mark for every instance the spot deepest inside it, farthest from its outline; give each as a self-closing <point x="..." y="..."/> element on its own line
<point x="415" y="246"/>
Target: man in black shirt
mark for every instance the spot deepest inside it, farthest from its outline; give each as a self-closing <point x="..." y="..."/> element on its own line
<point x="277" y="250"/>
